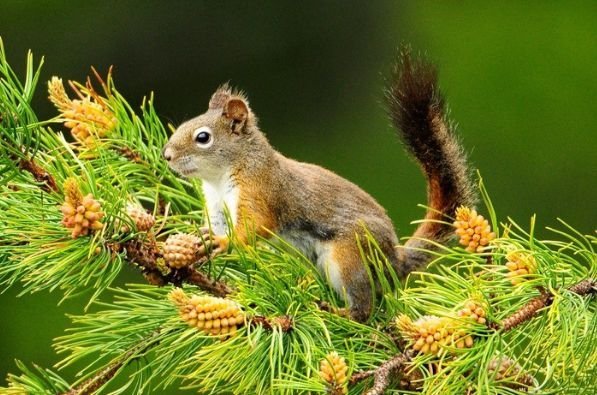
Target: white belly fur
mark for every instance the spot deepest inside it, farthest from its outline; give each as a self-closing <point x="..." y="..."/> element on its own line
<point x="221" y="200"/>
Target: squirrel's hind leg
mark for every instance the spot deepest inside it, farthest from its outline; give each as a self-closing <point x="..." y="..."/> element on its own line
<point x="341" y="262"/>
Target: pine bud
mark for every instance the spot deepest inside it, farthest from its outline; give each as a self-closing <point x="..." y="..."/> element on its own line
<point x="180" y="250"/>
<point x="431" y="334"/>
<point x="143" y="220"/>
<point x="519" y="265"/>
<point x="333" y="370"/>
<point x="406" y="326"/>
<point x="88" y="118"/>
<point x="474" y="230"/>
<point x="214" y="316"/>
<point x="81" y="214"/>
<point x="473" y="310"/>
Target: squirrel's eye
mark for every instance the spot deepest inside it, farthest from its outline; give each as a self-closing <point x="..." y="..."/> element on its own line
<point x="203" y="137"/>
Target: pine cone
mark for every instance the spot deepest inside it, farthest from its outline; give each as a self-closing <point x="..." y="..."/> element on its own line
<point x="81" y="214"/>
<point x="214" y="316"/>
<point x="429" y="334"/>
<point x="143" y="220"/>
<point x="180" y="250"/>
<point x="88" y="118"/>
<point x="474" y="230"/>
<point x="333" y="370"/>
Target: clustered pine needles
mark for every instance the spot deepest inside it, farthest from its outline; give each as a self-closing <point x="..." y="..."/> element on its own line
<point x="270" y="280"/>
<point x="121" y="166"/>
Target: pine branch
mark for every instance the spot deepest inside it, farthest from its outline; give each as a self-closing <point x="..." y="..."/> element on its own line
<point x="285" y="323"/>
<point x="201" y="280"/>
<point x="97" y="381"/>
<point x="102" y="377"/>
<point x="39" y="174"/>
<point x="131" y="155"/>
<point x="146" y="254"/>
<point x="585" y="287"/>
<point x="381" y="374"/>
<point x="528" y="311"/>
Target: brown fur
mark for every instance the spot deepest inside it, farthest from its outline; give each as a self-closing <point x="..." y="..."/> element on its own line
<point x="418" y="112"/>
<point x="318" y="209"/>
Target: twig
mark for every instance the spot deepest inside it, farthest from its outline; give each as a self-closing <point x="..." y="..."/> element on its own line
<point x="584" y="287"/>
<point x="530" y="309"/>
<point x="131" y="155"/>
<point x="202" y="280"/>
<point x="146" y="254"/>
<point x="94" y="383"/>
<point x="40" y="175"/>
<point x="381" y="374"/>
<point x="527" y="311"/>
<point x="285" y="322"/>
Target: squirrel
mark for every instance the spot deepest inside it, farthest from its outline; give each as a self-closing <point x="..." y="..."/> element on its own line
<point x="317" y="211"/>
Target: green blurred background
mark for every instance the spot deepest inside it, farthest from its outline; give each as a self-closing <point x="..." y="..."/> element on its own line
<point x="519" y="76"/>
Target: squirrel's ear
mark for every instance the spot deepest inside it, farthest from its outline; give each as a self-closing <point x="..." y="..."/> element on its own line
<point x="218" y="99"/>
<point x="236" y="112"/>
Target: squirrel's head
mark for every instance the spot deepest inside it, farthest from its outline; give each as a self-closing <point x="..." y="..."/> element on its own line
<point x="207" y="146"/>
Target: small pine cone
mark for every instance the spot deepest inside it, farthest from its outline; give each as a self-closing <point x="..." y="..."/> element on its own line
<point x="180" y="250"/>
<point x="143" y="220"/>
<point x="505" y="369"/>
<point x="214" y="316"/>
<point x="430" y="334"/>
<point x="520" y="264"/>
<point x="474" y="230"/>
<point x="88" y="118"/>
<point x="81" y="214"/>
<point x="333" y="370"/>
<point x="474" y="310"/>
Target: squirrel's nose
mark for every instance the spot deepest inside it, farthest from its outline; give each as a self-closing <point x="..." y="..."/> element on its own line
<point x="167" y="153"/>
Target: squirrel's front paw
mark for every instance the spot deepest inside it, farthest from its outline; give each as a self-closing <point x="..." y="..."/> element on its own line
<point x="211" y="245"/>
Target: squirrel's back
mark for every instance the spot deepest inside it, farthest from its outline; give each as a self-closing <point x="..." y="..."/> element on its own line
<point x="328" y="205"/>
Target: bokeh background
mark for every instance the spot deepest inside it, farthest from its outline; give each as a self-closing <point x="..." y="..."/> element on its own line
<point x="519" y="77"/>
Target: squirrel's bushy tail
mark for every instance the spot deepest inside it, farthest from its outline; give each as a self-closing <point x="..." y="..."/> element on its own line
<point x="417" y="110"/>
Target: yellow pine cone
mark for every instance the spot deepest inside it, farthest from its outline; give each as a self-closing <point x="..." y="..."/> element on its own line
<point x="430" y="334"/>
<point x="474" y="310"/>
<point x="81" y="214"/>
<point x="143" y="220"/>
<point x="88" y="118"/>
<point x="214" y="316"/>
<point x="520" y="264"/>
<point x="333" y="370"/>
<point x="473" y="229"/>
<point x="180" y="250"/>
